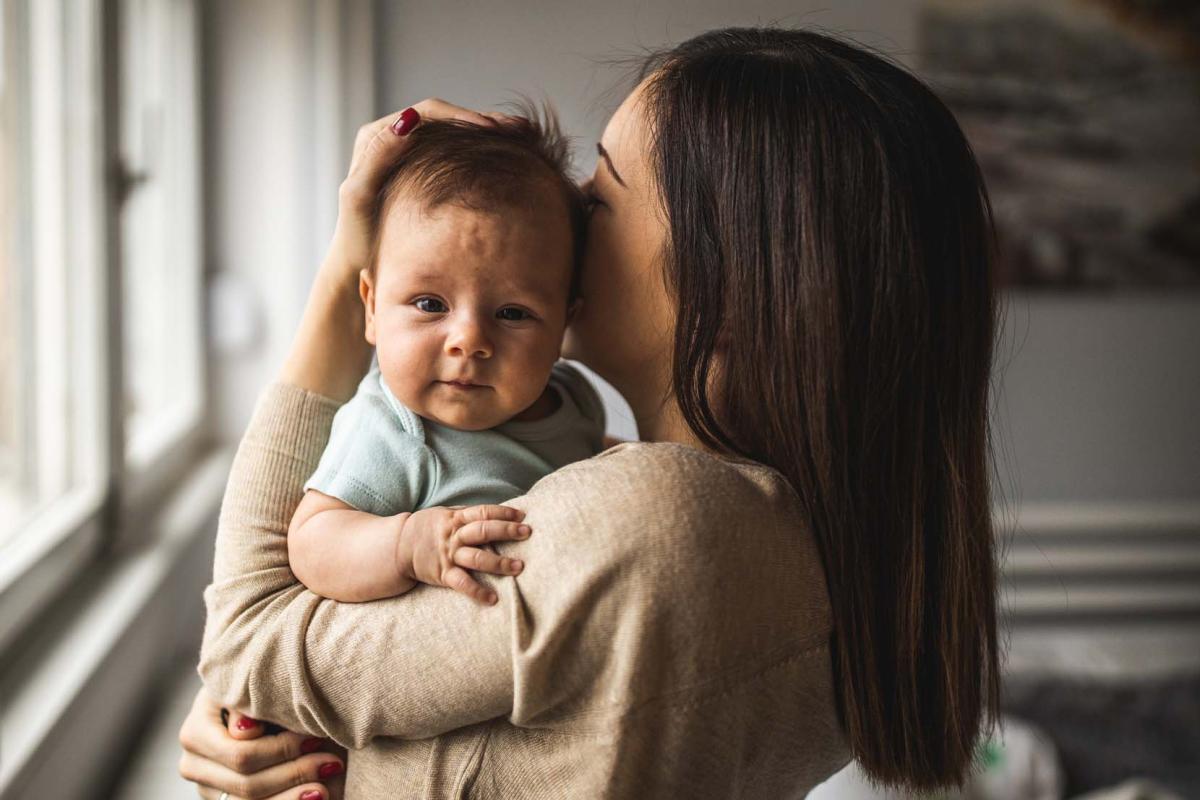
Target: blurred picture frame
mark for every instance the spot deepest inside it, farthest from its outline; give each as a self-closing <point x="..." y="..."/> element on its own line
<point x="1085" y="118"/>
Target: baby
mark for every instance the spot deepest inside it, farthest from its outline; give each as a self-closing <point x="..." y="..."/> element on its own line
<point x="472" y="278"/>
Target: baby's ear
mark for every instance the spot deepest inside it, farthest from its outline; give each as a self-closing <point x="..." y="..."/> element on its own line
<point x="366" y="290"/>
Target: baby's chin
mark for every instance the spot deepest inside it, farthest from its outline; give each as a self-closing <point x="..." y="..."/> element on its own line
<point x="461" y="416"/>
<point x="465" y="423"/>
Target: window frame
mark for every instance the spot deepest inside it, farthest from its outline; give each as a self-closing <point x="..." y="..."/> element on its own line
<point x="64" y="81"/>
<point x="174" y="442"/>
<point x="82" y="180"/>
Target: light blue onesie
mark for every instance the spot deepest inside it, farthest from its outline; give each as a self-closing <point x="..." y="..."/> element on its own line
<point x="384" y="459"/>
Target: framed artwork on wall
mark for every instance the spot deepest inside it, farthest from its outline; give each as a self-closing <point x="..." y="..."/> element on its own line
<point x="1085" y="118"/>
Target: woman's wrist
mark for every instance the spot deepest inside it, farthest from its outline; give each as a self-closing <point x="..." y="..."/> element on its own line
<point x="340" y="267"/>
<point x="329" y="354"/>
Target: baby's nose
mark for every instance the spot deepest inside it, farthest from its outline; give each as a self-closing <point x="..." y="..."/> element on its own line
<point x="469" y="339"/>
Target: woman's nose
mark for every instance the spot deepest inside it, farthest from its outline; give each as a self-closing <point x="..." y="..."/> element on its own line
<point x="468" y="339"/>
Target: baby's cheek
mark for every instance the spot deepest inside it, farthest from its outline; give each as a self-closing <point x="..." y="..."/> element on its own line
<point x="534" y="373"/>
<point x="406" y="373"/>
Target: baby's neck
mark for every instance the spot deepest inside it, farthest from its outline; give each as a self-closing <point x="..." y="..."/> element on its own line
<point x="543" y="407"/>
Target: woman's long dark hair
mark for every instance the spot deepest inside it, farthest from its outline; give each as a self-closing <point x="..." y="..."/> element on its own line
<point x="831" y="253"/>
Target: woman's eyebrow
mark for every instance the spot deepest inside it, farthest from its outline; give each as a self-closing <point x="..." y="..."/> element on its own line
<point x="604" y="154"/>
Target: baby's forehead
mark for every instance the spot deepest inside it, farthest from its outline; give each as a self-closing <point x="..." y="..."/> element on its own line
<point x="524" y="249"/>
<point x="484" y="279"/>
<point x="542" y="210"/>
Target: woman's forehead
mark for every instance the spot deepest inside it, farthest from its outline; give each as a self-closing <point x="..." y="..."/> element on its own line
<point x="623" y="137"/>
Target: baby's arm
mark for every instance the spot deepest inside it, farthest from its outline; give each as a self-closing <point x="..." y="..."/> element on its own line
<point x="345" y="554"/>
<point x="352" y="556"/>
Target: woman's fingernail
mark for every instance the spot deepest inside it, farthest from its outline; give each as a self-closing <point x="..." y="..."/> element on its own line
<point x="245" y="724"/>
<point x="518" y="564"/>
<point x="312" y="794"/>
<point x="311" y="745"/>
<point x="525" y="530"/>
<point x="326" y="771"/>
<point x="408" y="120"/>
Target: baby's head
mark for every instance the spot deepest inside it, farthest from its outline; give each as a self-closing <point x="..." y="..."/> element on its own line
<point x="474" y="268"/>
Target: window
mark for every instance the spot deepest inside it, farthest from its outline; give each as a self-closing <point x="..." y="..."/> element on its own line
<point x="160" y="243"/>
<point x="15" y="488"/>
<point x="51" y="263"/>
<point x="100" y="279"/>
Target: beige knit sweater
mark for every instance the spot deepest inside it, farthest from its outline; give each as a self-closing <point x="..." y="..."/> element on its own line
<point x="667" y="638"/>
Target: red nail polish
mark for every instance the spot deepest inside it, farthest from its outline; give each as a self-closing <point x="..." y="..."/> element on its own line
<point x="408" y="120"/>
<point x="329" y="770"/>
<point x="245" y="724"/>
<point x="311" y="745"/>
<point x="311" y="795"/>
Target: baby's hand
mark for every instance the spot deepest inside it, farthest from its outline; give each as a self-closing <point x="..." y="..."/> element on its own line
<point x="436" y="544"/>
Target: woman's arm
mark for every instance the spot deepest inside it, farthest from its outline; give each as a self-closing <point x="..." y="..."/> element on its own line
<point x="412" y="666"/>
<point x="327" y="359"/>
<point x="643" y="585"/>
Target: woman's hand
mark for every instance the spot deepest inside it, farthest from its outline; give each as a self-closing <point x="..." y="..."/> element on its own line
<point x="237" y="758"/>
<point x="330" y="353"/>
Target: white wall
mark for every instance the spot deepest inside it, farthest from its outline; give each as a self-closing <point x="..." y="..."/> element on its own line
<point x="1100" y="397"/>
<point x="287" y="83"/>
<point x="477" y="53"/>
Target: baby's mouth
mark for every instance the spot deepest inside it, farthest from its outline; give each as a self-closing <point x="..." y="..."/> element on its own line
<point x="466" y="385"/>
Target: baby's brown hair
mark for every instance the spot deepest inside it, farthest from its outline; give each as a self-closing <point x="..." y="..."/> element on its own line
<point x="486" y="167"/>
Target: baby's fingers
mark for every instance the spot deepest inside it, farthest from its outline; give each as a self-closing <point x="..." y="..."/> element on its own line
<point x="490" y="530"/>
<point x="458" y="580"/>
<point x="487" y="561"/>
<point x="480" y="513"/>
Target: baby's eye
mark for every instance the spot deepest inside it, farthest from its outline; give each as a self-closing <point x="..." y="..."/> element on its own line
<point x="430" y="305"/>
<point x="513" y="314"/>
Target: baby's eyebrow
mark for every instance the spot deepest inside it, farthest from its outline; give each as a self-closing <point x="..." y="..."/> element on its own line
<point x="537" y="293"/>
<point x="426" y="276"/>
<point x="608" y="160"/>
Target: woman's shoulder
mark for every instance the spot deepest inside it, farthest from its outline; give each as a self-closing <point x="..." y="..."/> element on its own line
<point x="678" y="496"/>
<point x="666" y="522"/>
<point x="668" y="472"/>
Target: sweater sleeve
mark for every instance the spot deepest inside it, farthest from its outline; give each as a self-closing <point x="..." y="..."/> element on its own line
<point x="626" y="603"/>
<point x="410" y="666"/>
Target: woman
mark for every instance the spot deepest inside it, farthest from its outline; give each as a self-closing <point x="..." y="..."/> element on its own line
<point x="789" y="278"/>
